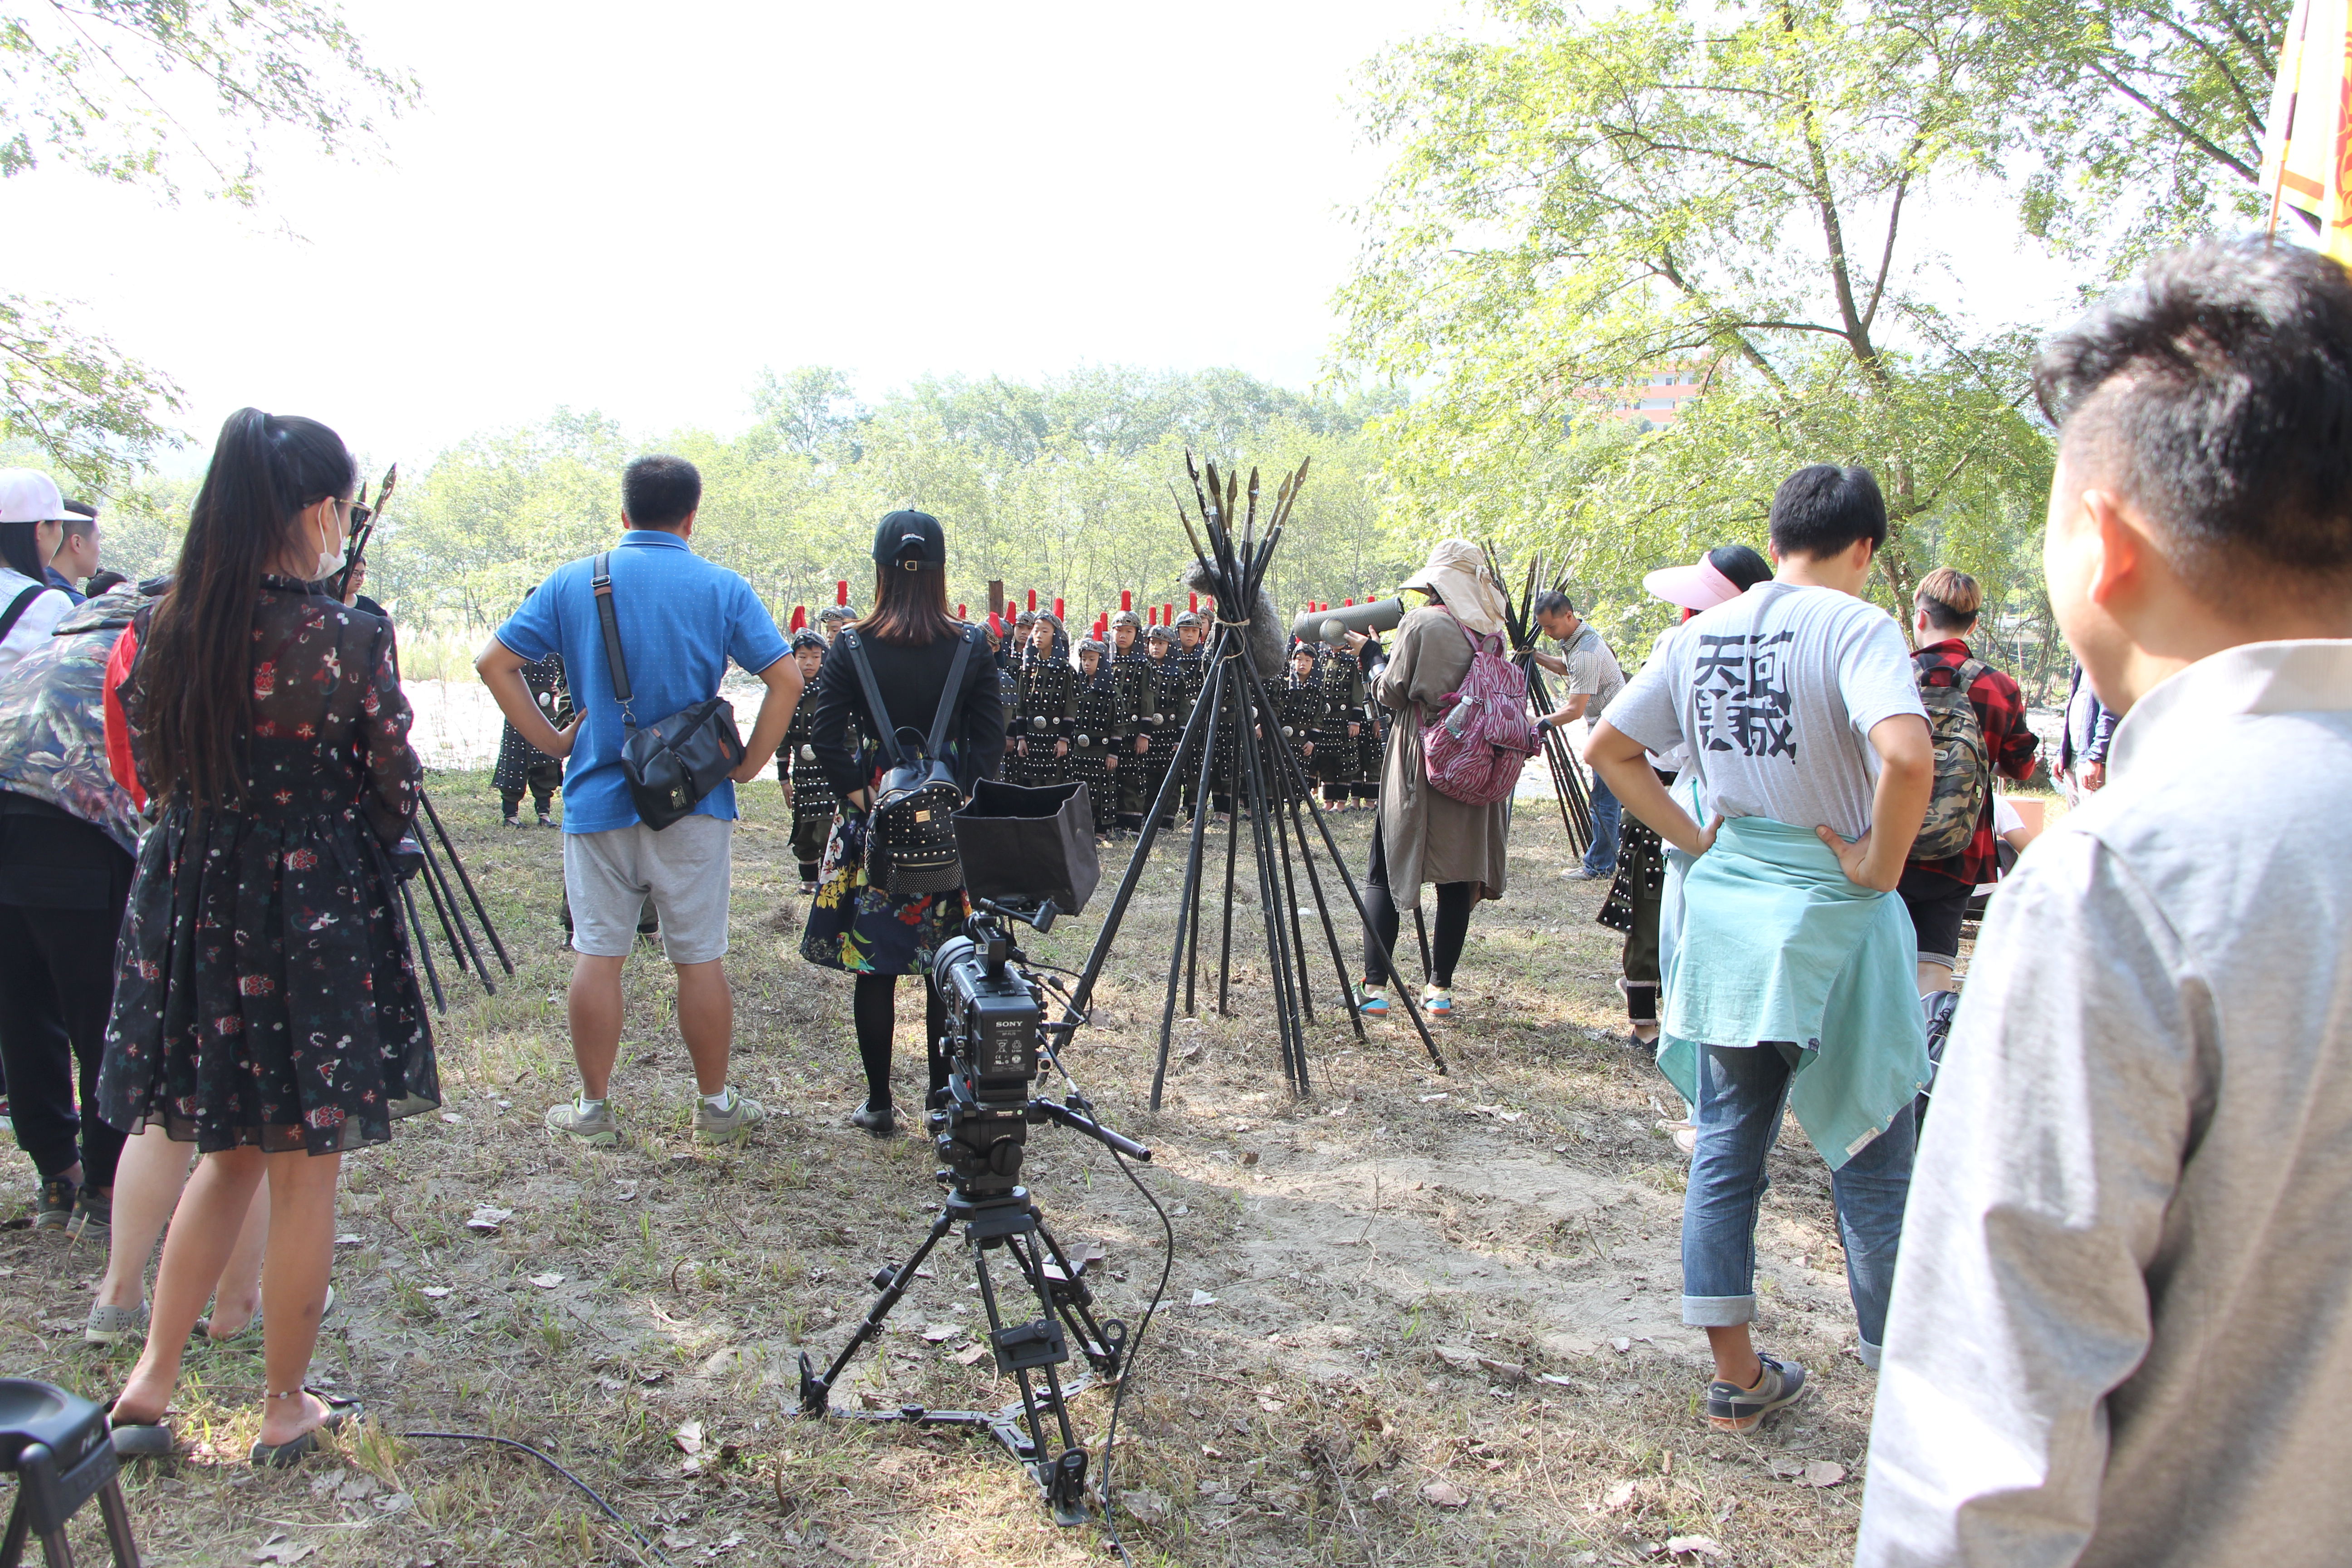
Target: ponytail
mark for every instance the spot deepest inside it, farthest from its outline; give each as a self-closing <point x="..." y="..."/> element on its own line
<point x="194" y="691"/>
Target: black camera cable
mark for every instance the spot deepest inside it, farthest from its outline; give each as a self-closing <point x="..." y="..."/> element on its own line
<point x="1134" y="1351"/>
<point x="1078" y="1100"/>
<point x="587" y="1490"/>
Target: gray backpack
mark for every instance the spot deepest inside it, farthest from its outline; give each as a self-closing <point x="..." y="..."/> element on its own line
<point x="1963" y="765"/>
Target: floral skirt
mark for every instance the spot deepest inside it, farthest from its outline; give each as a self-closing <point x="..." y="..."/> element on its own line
<point x="264" y="996"/>
<point x="855" y="926"/>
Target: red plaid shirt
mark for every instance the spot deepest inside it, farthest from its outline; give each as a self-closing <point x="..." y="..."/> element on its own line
<point x="2001" y="714"/>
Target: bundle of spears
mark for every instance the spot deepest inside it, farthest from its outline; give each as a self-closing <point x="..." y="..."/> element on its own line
<point x="1519" y="620"/>
<point x="426" y="854"/>
<point x="1231" y="743"/>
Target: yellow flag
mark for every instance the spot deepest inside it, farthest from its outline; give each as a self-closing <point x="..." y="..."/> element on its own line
<point x="2307" y="144"/>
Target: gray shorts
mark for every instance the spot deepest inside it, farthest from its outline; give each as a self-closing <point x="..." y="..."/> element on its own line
<point x="686" y="869"/>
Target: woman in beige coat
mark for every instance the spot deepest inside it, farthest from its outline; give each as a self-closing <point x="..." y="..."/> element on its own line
<point x="1422" y="836"/>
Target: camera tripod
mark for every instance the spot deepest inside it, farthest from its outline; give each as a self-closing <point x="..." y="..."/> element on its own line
<point x="444" y="898"/>
<point x="1030" y="1352"/>
<point x="980" y="1125"/>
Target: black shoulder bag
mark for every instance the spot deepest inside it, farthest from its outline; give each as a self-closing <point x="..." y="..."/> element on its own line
<point x="673" y="763"/>
<point x="910" y="842"/>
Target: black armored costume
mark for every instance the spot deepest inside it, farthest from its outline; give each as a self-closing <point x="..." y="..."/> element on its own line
<point x="522" y="766"/>
<point x="1302" y="709"/>
<point x="1041" y="719"/>
<point x="1339" y="751"/>
<point x="1139" y="719"/>
<point x="1374" y="740"/>
<point x="1171" y="708"/>
<point x="811" y="794"/>
<point x="1192" y="673"/>
<point x="1096" y="734"/>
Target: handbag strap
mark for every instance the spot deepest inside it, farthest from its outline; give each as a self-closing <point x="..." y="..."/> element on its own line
<point x="949" y="693"/>
<point x="17" y="607"/>
<point x="600" y="583"/>
<point x="884" y="730"/>
<point x="936" y="744"/>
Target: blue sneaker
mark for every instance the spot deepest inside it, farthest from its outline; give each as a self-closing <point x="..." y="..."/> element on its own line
<point x="1374" y="1002"/>
<point x="1436" y="999"/>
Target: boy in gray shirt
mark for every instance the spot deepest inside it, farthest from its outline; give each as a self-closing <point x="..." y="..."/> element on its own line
<point x="2122" y="1327"/>
<point x="1791" y="980"/>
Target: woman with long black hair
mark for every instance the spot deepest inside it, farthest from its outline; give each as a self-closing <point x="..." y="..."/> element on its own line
<point x="264" y="1008"/>
<point x="911" y="641"/>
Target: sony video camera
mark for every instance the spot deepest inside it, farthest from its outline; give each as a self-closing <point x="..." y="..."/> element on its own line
<point x="995" y="1046"/>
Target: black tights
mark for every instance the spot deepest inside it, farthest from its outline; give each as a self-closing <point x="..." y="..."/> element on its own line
<point x="870" y="1005"/>
<point x="1454" y="902"/>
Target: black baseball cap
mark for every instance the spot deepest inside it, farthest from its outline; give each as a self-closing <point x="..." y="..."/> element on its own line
<point x="911" y="540"/>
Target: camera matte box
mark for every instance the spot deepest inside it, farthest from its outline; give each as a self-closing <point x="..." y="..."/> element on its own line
<point x="1020" y="845"/>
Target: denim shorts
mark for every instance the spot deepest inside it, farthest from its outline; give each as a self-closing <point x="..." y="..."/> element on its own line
<point x="687" y="869"/>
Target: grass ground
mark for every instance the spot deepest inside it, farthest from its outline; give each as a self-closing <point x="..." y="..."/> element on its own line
<point x="1413" y="1319"/>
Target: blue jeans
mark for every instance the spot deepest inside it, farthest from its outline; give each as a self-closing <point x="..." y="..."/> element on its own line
<point x="1740" y="1095"/>
<point x="1601" y="858"/>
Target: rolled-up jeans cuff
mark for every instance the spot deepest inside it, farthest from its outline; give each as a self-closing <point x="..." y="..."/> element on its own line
<point x="1870" y="1355"/>
<point x="1718" y="1311"/>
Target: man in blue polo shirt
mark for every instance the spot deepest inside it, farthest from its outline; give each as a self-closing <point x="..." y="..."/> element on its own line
<point x="680" y="620"/>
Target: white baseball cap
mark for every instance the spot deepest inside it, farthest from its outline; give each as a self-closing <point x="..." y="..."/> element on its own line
<point x="29" y="495"/>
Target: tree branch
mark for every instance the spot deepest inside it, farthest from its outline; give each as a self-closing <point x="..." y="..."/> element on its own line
<point x="2187" y="132"/>
<point x="1894" y="218"/>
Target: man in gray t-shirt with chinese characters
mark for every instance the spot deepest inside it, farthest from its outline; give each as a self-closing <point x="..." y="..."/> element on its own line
<point x="1791" y="982"/>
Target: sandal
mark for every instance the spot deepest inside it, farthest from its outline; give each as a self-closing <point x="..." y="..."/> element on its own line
<point x="295" y="1449"/>
<point x="139" y="1439"/>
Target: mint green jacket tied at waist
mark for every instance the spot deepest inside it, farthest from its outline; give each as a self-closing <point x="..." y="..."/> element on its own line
<point x="1778" y="944"/>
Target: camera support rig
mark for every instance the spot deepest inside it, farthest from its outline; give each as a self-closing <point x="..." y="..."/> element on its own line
<point x="978" y="1124"/>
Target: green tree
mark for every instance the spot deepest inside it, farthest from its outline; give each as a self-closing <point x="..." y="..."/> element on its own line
<point x="156" y="93"/>
<point x="2144" y="126"/>
<point x="1061" y="485"/>
<point x="1588" y="200"/>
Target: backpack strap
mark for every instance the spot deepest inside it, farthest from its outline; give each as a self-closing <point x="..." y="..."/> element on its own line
<point x="885" y="731"/>
<point x="18" y="605"/>
<point x="600" y="583"/>
<point x="948" y="694"/>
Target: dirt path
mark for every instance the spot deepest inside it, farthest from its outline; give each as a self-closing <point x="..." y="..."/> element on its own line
<point x="1412" y="1318"/>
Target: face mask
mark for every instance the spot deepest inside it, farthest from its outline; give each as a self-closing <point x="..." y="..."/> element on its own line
<point x="331" y="557"/>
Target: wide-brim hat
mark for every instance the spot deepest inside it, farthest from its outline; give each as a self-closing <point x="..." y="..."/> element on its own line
<point x="1458" y="574"/>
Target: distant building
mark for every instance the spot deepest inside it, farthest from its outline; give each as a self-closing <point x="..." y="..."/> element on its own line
<point x="1656" y="399"/>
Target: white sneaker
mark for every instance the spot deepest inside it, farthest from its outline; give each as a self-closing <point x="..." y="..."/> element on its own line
<point x="732" y="1125"/>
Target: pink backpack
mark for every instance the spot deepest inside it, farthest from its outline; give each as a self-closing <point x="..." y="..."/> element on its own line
<point x="1473" y="751"/>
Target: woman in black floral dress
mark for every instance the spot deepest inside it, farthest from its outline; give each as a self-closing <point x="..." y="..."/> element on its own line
<point x="854" y="924"/>
<point x="265" y="1008"/>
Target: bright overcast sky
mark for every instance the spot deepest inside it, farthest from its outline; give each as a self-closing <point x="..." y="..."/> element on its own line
<point x="635" y="208"/>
